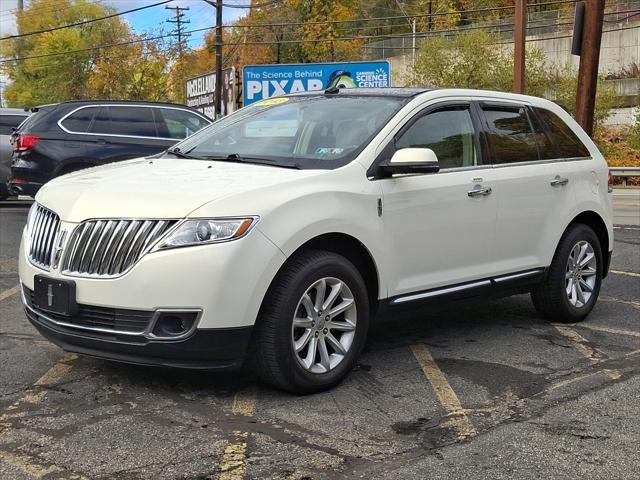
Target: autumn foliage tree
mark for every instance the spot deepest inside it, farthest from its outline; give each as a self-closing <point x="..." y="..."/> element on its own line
<point x="133" y="71"/>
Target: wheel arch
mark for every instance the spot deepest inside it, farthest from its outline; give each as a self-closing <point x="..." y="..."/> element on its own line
<point x="594" y="221"/>
<point x="353" y="250"/>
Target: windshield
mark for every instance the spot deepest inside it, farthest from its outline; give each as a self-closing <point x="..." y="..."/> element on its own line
<point x="321" y="132"/>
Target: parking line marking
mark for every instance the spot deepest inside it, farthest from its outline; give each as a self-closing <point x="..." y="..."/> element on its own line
<point x="52" y="376"/>
<point x="22" y="463"/>
<point x="447" y="397"/>
<point x="581" y="344"/>
<point x="234" y="459"/>
<point x="633" y="303"/>
<point x="590" y="353"/>
<point x="620" y="272"/>
<point x="11" y="291"/>
<point x="614" y="331"/>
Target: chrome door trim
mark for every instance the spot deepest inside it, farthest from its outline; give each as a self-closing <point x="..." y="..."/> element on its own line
<point x="441" y="291"/>
<point x="515" y="276"/>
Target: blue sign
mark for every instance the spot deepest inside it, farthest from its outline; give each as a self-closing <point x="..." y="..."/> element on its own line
<point x="264" y="81"/>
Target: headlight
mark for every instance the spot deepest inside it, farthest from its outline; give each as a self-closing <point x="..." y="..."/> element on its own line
<point x="203" y="231"/>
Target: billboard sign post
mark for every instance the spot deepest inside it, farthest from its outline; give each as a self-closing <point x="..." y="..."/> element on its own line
<point x="201" y="90"/>
<point x="264" y="81"/>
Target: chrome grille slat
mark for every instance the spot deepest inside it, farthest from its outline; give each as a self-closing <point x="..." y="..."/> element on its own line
<point x="101" y="246"/>
<point x="109" y="253"/>
<point x="43" y="231"/>
<point x="108" y="248"/>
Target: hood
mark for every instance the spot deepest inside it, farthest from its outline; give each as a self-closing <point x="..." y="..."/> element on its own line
<point x="155" y="188"/>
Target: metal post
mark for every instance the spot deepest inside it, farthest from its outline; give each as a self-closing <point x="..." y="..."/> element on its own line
<point x="519" y="46"/>
<point x="413" y="46"/>
<point x="589" y="61"/>
<point x="218" y="96"/>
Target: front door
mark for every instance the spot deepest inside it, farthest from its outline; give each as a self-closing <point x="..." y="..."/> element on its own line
<point x="440" y="227"/>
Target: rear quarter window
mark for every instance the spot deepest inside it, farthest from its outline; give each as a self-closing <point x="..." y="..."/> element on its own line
<point x="80" y="120"/>
<point x="565" y="142"/>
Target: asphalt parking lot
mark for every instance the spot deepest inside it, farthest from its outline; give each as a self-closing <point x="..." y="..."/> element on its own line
<point x="486" y="391"/>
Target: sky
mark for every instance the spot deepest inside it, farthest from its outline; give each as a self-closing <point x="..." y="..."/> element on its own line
<point x="200" y="14"/>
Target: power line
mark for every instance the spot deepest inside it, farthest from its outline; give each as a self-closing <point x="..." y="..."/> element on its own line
<point x="84" y="22"/>
<point x="336" y="39"/>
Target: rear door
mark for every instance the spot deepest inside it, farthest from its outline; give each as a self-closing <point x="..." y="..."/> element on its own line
<point x="534" y="196"/>
<point x="128" y="131"/>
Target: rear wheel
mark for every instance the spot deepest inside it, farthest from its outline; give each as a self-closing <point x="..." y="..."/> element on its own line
<point x="573" y="282"/>
<point x="313" y="323"/>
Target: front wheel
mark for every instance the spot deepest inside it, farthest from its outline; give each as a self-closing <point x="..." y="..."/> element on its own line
<point x="313" y="323"/>
<point x="573" y="282"/>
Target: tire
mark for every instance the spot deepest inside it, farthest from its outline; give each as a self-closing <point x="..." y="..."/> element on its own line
<point x="274" y="357"/>
<point x="556" y="299"/>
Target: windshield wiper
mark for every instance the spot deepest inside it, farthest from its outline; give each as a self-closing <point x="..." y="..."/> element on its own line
<point x="178" y="153"/>
<point x="237" y="158"/>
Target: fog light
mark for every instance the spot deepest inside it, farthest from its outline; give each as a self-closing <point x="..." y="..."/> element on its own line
<point x="173" y="324"/>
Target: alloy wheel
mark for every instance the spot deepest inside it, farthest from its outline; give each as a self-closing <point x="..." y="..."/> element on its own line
<point x="581" y="274"/>
<point x="324" y="325"/>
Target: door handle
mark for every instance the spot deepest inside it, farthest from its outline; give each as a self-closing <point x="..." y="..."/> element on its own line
<point x="479" y="191"/>
<point x="559" y="181"/>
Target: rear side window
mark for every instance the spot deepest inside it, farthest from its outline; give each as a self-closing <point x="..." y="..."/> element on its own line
<point x="176" y="123"/>
<point x="510" y="135"/>
<point x="132" y="121"/>
<point x="101" y="122"/>
<point x="80" y="120"/>
<point x="9" y="122"/>
<point x="566" y="143"/>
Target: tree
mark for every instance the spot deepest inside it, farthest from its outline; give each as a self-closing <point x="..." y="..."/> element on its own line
<point x="119" y="72"/>
<point x="476" y="59"/>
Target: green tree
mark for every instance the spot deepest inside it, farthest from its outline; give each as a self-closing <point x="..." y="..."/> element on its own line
<point x="477" y="59"/>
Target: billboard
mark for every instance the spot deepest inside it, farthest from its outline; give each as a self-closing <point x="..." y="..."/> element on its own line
<point x="264" y="81"/>
<point x="200" y="92"/>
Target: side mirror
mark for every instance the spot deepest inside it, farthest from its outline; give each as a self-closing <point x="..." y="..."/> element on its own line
<point x="412" y="160"/>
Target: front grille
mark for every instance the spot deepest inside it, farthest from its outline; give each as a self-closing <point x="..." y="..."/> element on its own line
<point x="103" y="318"/>
<point x="109" y="247"/>
<point x="43" y="230"/>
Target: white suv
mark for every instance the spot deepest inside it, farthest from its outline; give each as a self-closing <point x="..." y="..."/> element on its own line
<point x="278" y="231"/>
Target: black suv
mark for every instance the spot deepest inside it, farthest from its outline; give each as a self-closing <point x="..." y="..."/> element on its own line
<point x="69" y="136"/>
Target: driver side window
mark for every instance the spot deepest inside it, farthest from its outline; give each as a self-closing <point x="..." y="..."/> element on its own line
<point x="448" y="132"/>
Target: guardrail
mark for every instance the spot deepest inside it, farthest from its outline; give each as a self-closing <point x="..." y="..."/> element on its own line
<point x="625" y="172"/>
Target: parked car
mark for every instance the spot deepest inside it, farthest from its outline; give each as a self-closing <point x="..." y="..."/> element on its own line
<point x="70" y="136"/>
<point x="10" y="118"/>
<point x="294" y="220"/>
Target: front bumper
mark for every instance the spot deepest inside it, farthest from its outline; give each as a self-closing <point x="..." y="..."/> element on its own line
<point x="204" y="349"/>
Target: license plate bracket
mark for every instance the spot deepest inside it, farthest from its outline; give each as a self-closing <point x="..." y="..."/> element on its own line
<point x="54" y="295"/>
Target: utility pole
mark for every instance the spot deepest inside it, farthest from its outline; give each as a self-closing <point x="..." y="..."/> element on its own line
<point x="589" y="62"/>
<point x="430" y="17"/>
<point x="218" y="97"/>
<point x="178" y="20"/>
<point x="218" y="93"/>
<point x="21" y="5"/>
<point x="520" y="35"/>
